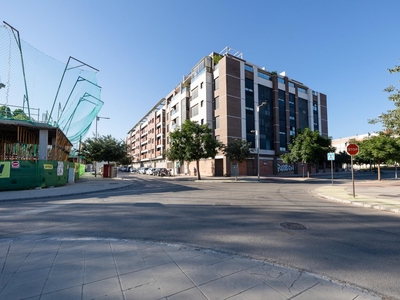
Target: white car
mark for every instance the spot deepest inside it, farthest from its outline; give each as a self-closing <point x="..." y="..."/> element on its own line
<point x="149" y="171"/>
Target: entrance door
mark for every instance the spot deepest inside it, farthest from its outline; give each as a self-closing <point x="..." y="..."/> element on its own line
<point x="219" y="167"/>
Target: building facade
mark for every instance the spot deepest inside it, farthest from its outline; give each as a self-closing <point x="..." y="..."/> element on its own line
<point x="238" y="100"/>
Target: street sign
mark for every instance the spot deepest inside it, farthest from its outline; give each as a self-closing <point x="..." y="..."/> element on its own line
<point x="331" y="156"/>
<point x="352" y="149"/>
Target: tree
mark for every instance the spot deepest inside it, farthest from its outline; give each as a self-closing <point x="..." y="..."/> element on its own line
<point x="342" y="158"/>
<point x="237" y="150"/>
<point x="381" y="148"/>
<point x="5" y="112"/>
<point x="176" y="151"/>
<point x="104" y="148"/>
<point x="127" y="160"/>
<point x="192" y="142"/>
<point x="113" y="150"/>
<point x="19" y="114"/>
<point x="307" y="147"/>
<point x="391" y="119"/>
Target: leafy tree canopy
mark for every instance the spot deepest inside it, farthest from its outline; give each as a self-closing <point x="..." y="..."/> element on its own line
<point x="391" y="119"/>
<point x="192" y="142"/>
<point x="104" y="148"/>
<point x="5" y="112"/>
<point x="307" y="147"/>
<point x="19" y="114"/>
<point x="382" y="148"/>
<point x="237" y="150"/>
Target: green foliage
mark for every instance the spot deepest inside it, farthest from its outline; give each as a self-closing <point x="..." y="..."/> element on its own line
<point x="19" y="114"/>
<point x="5" y="112"/>
<point x="104" y="148"/>
<point x="237" y="150"/>
<point x="127" y="160"/>
<point x="217" y="57"/>
<point x="307" y="147"/>
<point x="382" y="148"/>
<point x="176" y="152"/>
<point x="342" y="158"/>
<point x="391" y="119"/>
<point x="192" y="142"/>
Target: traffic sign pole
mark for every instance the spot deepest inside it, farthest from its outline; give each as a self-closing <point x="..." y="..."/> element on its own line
<point x="352" y="177"/>
<point x="352" y="149"/>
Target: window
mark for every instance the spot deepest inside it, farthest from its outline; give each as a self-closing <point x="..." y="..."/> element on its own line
<point x="262" y="75"/>
<point x="216" y="103"/>
<point x="302" y="90"/>
<point x="282" y="120"/>
<point x="194" y="110"/>
<point x="281" y="80"/>
<point x="266" y="118"/>
<point x="195" y="93"/>
<point x="202" y="122"/>
<point x="315" y="115"/>
<point x="248" y="68"/>
<point x="216" y="83"/>
<point x="292" y="114"/>
<point x="303" y="113"/>
<point x="216" y="122"/>
<point x="291" y="84"/>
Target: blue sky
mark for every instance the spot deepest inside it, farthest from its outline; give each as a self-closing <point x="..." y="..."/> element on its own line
<point x="341" y="48"/>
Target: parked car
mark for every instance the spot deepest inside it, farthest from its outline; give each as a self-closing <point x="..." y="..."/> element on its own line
<point x="164" y="172"/>
<point x="133" y="170"/>
<point x="142" y="170"/>
<point x="123" y="169"/>
<point x="149" y="171"/>
<point x="156" y="171"/>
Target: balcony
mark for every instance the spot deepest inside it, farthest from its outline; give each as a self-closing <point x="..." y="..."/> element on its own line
<point x="173" y="112"/>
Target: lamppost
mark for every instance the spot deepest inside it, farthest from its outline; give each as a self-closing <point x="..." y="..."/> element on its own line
<point x="95" y="163"/>
<point x="258" y="139"/>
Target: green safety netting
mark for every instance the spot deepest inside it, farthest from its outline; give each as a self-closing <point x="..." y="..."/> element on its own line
<point x="38" y="88"/>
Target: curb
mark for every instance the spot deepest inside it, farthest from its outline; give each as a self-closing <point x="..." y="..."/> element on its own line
<point x="362" y="204"/>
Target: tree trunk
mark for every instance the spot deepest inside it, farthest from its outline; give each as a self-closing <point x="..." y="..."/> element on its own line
<point x="379" y="171"/>
<point x="198" y="170"/>
<point x="308" y="170"/>
<point x="237" y="172"/>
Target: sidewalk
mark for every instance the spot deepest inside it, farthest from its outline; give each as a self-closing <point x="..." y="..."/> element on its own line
<point x="88" y="183"/>
<point x="383" y="195"/>
<point x="109" y="269"/>
<point x="119" y="269"/>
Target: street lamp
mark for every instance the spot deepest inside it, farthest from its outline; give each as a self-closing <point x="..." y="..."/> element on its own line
<point x="95" y="163"/>
<point x="98" y="119"/>
<point x="258" y="138"/>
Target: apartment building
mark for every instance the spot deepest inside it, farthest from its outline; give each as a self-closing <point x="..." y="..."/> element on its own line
<point x="237" y="99"/>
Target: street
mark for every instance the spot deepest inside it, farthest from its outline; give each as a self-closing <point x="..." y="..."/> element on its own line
<point x="284" y="223"/>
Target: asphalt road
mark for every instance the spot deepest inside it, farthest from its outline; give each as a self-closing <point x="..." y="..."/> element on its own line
<point x="351" y="244"/>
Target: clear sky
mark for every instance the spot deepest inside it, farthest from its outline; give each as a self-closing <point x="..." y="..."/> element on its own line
<point x="341" y="48"/>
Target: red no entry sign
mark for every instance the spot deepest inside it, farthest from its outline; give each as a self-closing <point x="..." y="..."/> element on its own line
<point x="352" y="149"/>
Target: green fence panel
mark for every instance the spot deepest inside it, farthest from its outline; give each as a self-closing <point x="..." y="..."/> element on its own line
<point x="21" y="175"/>
<point x="82" y="169"/>
<point x="53" y="173"/>
<point x="18" y="175"/>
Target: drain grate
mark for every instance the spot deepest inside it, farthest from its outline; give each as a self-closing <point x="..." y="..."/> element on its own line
<point x="293" y="226"/>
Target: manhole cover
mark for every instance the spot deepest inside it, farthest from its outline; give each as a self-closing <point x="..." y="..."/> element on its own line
<point x="293" y="226"/>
